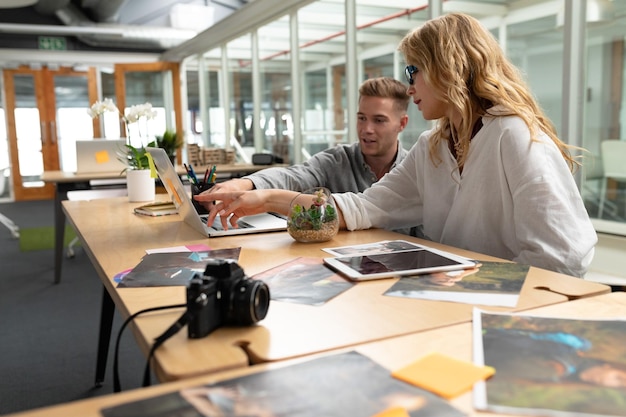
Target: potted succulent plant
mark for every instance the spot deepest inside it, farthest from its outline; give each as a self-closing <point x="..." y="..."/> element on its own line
<point x="317" y="222"/>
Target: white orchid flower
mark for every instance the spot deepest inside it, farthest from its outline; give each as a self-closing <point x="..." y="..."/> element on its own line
<point x="138" y="111"/>
<point x="100" y="107"/>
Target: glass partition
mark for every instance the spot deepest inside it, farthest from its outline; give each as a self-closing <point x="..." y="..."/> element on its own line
<point x="539" y="55"/>
<point x="276" y="123"/>
<point x="193" y="118"/>
<point x="239" y="79"/>
<point x="605" y="104"/>
<point x="322" y="54"/>
<point x="208" y="120"/>
<point x="381" y="28"/>
<point x="318" y="123"/>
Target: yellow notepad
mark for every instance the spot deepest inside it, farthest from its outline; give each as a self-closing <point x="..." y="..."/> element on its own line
<point x="443" y="375"/>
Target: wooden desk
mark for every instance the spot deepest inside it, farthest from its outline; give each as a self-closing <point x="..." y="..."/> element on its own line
<point x="391" y="354"/>
<point x="456" y="341"/>
<point x="116" y="239"/>
<point x="71" y="181"/>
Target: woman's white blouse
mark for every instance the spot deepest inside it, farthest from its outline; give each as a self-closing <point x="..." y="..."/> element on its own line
<point x="516" y="199"/>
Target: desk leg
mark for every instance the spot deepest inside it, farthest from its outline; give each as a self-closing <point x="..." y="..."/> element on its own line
<point x="106" y="325"/>
<point x="59" y="222"/>
<point x="59" y="231"/>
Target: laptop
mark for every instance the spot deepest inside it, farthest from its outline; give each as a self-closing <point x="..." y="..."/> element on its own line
<point x="99" y="155"/>
<point x="259" y="223"/>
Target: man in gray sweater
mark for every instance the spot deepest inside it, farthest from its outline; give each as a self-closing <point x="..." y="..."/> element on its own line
<point x="382" y="115"/>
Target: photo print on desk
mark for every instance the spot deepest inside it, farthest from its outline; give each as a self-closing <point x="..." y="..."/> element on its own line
<point x="550" y="366"/>
<point x="384" y="246"/>
<point x="303" y="281"/>
<point x="489" y="283"/>
<point x="162" y="269"/>
<point x="347" y="384"/>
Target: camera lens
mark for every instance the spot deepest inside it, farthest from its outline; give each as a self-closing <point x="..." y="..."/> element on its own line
<point x="249" y="303"/>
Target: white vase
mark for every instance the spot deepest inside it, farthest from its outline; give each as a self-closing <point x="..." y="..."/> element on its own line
<point x="140" y="185"/>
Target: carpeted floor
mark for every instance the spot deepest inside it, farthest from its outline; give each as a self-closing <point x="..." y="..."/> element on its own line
<point x="49" y="332"/>
<point x="41" y="238"/>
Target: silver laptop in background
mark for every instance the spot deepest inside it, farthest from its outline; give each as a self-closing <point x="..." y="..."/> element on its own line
<point x="99" y="155"/>
<point x="265" y="222"/>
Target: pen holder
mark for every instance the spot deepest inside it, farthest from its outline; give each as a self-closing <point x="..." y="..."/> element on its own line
<point x="198" y="189"/>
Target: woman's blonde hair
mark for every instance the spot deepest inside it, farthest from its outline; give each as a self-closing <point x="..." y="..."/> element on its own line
<point x="464" y="63"/>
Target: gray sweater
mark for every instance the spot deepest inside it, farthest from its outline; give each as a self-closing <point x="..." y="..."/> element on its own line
<point x="340" y="169"/>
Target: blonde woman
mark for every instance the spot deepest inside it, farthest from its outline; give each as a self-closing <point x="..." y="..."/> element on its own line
<point x="491" y="176"/>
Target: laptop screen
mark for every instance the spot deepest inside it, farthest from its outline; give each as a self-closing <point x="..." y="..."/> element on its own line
<point x="99" y="155"/>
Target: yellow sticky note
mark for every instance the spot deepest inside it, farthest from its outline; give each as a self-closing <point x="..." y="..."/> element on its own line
<point x="443" y="375"/>
<point x="102" y="157"/>
<point x="153" y="171"/>
<point x="393" y="412"/>
<point x="174" y="193"/>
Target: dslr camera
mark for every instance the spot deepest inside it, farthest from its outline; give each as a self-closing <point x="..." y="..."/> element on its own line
<point x="224" y="295"/>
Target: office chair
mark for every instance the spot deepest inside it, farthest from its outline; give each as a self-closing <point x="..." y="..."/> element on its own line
<point x="13" y="228"/>
<point x="613" y="154"/>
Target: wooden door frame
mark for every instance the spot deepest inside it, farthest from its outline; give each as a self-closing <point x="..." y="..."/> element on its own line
<point x="20" y="193"/>
<point x="46" y="103"/>
<point x="120" y="71"/>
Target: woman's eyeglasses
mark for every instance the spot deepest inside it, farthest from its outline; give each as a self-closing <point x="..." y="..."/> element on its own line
<point x="408" y="73"/>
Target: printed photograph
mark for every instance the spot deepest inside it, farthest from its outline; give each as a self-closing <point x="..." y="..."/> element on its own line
<point x="304" y="281"/>
<point x="385" y="246"/>
<point x="347" y="384"/>
<point x="175" y="268"/>
<point x="554" y="365"/>
<point x="489" y="283"/>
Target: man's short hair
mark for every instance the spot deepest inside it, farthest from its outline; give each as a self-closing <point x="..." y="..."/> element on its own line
<point x="386" y="87"/>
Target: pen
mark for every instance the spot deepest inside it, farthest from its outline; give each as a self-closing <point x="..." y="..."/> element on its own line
<point x="212" y="174"/>
<point x="193" y="174"/>
<point x="189" y="174"/>
<point x="206" y="175"/>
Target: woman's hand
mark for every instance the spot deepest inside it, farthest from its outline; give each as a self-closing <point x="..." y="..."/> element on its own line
<point x="235" y="184"/>
<point x="234" y="205"/>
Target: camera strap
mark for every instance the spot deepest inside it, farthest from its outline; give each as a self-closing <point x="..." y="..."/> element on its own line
<point x="182" y="321"/>
<point x="116" y="378"/>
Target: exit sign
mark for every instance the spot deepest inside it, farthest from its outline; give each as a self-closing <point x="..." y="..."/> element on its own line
<point x="52" y="43"/>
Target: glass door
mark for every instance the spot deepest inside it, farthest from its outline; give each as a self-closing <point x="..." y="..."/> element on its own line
<point x="46" y="113"/>
<point x="74" y="92"/>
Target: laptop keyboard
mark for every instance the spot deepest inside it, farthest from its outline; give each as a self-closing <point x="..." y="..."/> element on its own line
<point x="217" y="224"/>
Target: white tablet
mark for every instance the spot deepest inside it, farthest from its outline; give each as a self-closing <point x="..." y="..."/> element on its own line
<point x="397" y="264"/>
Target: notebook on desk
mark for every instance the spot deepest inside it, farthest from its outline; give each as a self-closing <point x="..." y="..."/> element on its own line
<point x="266" y="222"/>
<point x="99" y="155"/>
